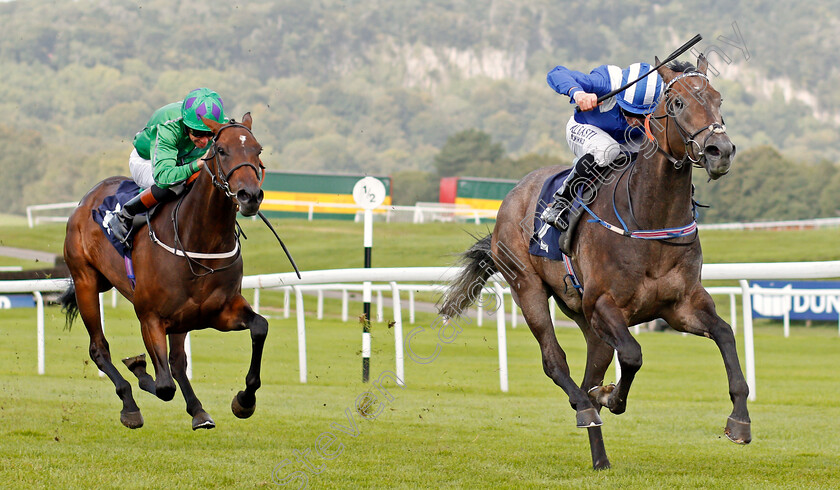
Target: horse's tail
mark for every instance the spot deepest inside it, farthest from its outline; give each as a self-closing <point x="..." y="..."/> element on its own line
<point x="466" y="288"/>
<point x="69" y="306"/>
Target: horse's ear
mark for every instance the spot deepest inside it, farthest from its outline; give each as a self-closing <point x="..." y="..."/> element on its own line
<point x="246" y="120"/>
<point x="666" y="73"/>
<point x="702" y="63"/>
<point x="213" y="125"/>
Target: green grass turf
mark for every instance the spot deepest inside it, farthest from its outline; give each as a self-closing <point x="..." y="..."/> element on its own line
<point x="338" y="244"/>
<point x="450" y="427"/>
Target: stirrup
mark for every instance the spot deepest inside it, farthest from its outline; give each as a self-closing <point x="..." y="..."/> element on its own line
<point x="120" y="226"/>
<point x="552" y="215"/>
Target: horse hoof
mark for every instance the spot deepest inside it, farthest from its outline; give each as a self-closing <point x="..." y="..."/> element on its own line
<point x="601" y="394"/>
<point x="132" y="420"/>
<point x="135" y="362"/>
<point x="165" y="393"/>
<point x="239" y="410"/>
<point x="737" y="431"/>
<point x="588" y="418"/>
<point x="202" y="420"/>
<point x="601" y="465"/>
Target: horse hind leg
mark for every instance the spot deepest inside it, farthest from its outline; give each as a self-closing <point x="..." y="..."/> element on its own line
<point x="178" y="362"/>
<point x="598" y="358"/>
<point x="87" y="298"/>
<point x="137" y="365"/>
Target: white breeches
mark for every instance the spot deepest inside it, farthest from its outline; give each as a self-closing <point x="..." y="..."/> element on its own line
<point x="141" y="170"/>
<point x="586" y="138"/>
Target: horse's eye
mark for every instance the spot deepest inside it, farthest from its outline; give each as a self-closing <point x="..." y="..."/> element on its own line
<point x="222" y="151"/>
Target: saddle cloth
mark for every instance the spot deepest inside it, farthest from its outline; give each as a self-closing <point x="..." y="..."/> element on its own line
<point x="127" y="190"/>
<point x="546" y="239"/>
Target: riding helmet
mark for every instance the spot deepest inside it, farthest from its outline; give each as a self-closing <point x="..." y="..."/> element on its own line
<point x="202" y="102"/>
<point x="642" y="97"/>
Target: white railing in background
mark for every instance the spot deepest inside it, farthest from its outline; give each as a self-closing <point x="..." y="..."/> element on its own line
<point x="423" y="212"/>
<point x="802" y="224"/>
<point x="34" y="220"/>
<point x="742" y="272"/>
<point x="420" y="213"/>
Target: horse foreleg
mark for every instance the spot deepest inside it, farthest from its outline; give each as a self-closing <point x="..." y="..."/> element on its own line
<point x="154" y="336"/>
<point x="178" y="362"/>
<point x="699" y="317"/>
<point x="87" y="298"/>
<point x="607" y="320"/>
<point x="239" y="316"/>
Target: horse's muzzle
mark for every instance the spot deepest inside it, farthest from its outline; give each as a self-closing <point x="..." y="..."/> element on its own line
<point x="719" y="156"/>
<point x="249" y="202"/>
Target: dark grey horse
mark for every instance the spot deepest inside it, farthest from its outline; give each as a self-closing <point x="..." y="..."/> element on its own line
<point x="626" y="281"/>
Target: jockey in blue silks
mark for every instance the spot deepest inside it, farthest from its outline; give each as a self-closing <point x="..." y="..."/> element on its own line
<point x="601" y="135"/>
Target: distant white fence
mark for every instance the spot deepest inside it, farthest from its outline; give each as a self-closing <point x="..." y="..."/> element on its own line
<point x="420" y="213"/>
<point x="33" y="220"/>
<point x="424" y="212"/>
<point x="390" y="276"/>
<point x="802" y="224"/>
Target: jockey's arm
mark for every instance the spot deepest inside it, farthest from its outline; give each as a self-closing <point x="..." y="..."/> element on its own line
<point x="581" y="88"/>
<point x="165" y="157"/>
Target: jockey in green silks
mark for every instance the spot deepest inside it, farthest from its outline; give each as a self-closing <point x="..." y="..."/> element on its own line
<point x="167" y="152"/>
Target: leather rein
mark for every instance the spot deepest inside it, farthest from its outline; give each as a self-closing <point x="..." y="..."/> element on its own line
<point x="688" y="139"/>
<point x="222" y="183"/>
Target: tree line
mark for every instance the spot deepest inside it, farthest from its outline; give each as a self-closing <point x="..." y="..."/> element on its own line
<point x="368" y="86"/>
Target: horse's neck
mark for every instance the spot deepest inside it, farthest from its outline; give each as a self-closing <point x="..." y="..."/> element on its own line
<point x="661" y="194"/>
<point x="207" y="217"/>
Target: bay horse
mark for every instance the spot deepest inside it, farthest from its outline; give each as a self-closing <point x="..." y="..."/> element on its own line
<point x="188" y="278"/>
<point x="625" y="281"/>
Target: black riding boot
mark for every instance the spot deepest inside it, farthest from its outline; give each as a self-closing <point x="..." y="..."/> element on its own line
<point x="120" y="223"/>
<point x="557" y="213"/>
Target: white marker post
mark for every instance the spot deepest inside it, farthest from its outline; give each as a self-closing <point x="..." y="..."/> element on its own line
<point x="368" y="193"/>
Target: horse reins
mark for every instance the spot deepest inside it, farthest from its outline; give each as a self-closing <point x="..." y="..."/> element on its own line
<point x="688" y="139"/>
<point x="222" y="181"/>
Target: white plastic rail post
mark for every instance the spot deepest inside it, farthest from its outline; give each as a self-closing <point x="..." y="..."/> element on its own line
<point x="500" y="329"/>
<point x="39" y="301"/>
<point x="749" y="347"/>
<point x="398" y="334"/>
<point x="301" y="331"/>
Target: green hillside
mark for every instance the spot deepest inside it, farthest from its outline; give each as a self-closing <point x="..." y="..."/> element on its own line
<point x="379" y="87"/>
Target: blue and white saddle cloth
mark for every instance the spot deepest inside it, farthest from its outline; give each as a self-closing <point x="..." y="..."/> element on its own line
<point x="546" y="239"/>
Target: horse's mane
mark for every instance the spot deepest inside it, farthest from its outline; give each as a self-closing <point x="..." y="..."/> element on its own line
<point x="681" y="66"/>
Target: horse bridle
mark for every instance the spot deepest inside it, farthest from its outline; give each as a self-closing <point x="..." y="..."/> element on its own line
<point x="689" y="139"/>
<point x="222" y="181"/>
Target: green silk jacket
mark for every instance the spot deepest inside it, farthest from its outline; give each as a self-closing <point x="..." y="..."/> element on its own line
<point x="166" y="143"/>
